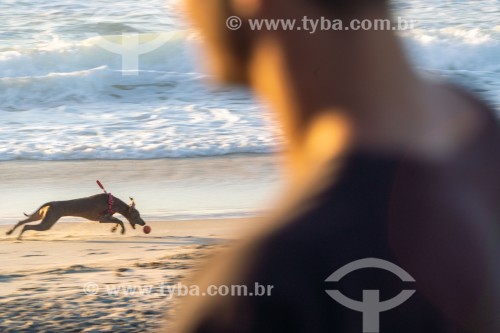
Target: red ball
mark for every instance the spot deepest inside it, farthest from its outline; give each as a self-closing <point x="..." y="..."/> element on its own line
<point x="146" y="229"/>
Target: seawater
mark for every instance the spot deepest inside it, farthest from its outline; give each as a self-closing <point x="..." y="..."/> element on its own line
<point x="64" y="97"/>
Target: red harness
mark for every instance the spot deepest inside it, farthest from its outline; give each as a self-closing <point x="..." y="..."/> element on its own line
<point x="111" y="201"/>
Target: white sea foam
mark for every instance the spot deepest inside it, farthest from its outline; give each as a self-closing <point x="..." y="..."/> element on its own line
<point x="73" y="102"/>
<point x="469" y="57"/>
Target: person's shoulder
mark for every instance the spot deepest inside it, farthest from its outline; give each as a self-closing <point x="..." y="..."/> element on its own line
<point x="483" y="109"/>
<point x="305" y="241"/>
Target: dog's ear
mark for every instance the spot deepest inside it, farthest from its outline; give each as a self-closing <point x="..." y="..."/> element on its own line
<point x="132" y="204"/>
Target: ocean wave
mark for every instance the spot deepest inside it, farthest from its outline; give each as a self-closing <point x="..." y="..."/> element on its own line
<point x="462" y="54"/>
<point x="63" y="73"/>
<point x="454" y="49"/>
<point x="72" y="102"/>
<point x="173" y="131"/>
<point x="84" y="72"/>
<point x="69" y="100"/>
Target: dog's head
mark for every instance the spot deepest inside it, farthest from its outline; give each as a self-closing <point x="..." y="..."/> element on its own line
<point x="134" y="217"/>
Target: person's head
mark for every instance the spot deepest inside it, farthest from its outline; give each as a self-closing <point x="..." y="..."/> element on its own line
<point x="231" y="50"/>
<point x="317" y="84"/>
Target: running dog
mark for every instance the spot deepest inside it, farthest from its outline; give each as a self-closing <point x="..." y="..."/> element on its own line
<point x="99" y="208"/>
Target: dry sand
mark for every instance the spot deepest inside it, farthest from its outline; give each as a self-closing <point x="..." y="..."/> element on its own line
<point x="79" y="277"/>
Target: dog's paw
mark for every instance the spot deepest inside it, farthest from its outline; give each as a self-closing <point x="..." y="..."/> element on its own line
<point x="123" y="231"/>
<point x="8" y="233"/>
<point x="113" y="229"/>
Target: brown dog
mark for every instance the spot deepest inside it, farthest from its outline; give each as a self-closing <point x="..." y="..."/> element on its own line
<point x="99" y="208"/>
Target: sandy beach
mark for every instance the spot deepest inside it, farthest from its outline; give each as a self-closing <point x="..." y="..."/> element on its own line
<point x="79" y="277"/>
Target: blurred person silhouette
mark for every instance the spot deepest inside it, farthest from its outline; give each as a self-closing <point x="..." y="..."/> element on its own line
<point x="384" y="163"/>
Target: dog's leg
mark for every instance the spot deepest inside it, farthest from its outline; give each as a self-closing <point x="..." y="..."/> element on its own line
<point x="35" y="217"/>
<point x="114" y="228"/>
<point x="111" y="219"/>
<point x="20" y="223"/>
<point x="48" y="221"/>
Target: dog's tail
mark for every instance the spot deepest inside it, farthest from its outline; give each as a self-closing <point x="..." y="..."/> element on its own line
<point x="38" y="214"/>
